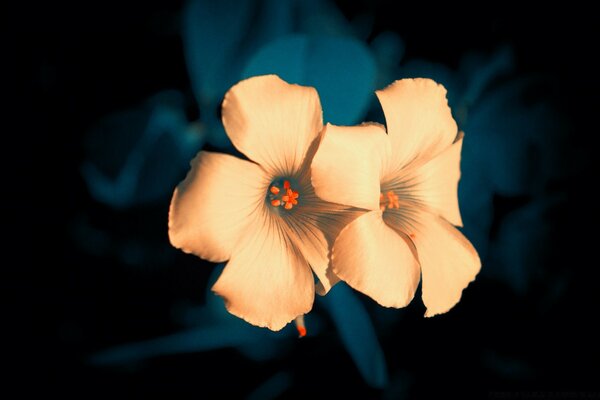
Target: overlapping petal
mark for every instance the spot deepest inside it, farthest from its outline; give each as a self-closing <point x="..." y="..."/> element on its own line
<point x="211" y="208"/>
<point x="349" y="164"/>
<point x="433" y="185"/>
<point x="418" y="119"/>
<point x="267" y="282"/>
<point x="377" y="261"/>
<point x="449" y="262"/>
<point x="273" y="122"/>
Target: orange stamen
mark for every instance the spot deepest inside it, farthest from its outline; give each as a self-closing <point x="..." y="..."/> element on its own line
<point x="288" y="197"/>
<point x="390" y="200"/>
<point x="301" y="331"/>
<point x="300" y="326"/>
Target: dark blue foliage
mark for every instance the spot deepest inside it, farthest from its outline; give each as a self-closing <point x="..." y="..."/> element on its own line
<point x="356" y="331"/>
<point x="332" y="65"/>
<point x="137" y="156"/>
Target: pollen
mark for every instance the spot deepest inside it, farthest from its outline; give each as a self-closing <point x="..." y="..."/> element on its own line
<point x="286" y="197"/>
<point x="388" y="201"/>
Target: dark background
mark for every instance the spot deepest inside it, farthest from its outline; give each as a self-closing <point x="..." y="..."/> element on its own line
<point x="82" y="62"/>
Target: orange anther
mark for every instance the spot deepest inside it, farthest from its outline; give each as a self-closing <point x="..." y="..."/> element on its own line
<point x="301" y="331"/>
<point x="300" y="326"/>
<point x="392" y="200"/>
<point x="286" y="197"/>
<point x="389" y="200"/>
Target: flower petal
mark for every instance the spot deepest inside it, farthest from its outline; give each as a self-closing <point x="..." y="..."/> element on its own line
<point x="210" y="208"/>
<point x="377" y="261"/>
<point x="449" y="262"/>
<point x="418" y="119"/>
<point x="437" y="183"/>
<point x="267" y="282"/>
<point x="313" y="229"/>
<point x="348" y="166"/>
<point x="312" y="244"/>
<point x="273" y="122"/>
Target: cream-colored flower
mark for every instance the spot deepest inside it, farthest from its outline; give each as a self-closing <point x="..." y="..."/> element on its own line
<point x="262" y="215"/>
<point x="408" y="179"/>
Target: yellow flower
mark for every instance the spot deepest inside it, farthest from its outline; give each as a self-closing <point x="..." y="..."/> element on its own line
<point x="262" y="215"/>
<point x="408" y="179"/>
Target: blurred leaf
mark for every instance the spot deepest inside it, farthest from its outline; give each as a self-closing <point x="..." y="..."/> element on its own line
<point x="518" y="143"/>
<point x="213" y="328"/>
<point x="138" y="156"/>
<point x="322" y="18"/>
<point x="212" y="333"/>
<point x="220" y="37"/>
<point x="466" y="85"/>
<point x="388" y="49"/>
<point x="479" y="72"/>
<point x="475" y="198"/>
<point x="341" y="69"/>
<point x="193" y="340"/>
<point x="357" y="333"/>
<point x="519" y="252"/>
<point x="213" y="32"/>
<point x="272" y="388"/>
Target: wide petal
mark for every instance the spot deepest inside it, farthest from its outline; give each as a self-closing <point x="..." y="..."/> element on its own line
<point x="418" y="119"/>
<point x="272" y="122"/>
<point x="313" y="244"/>
<point x="449" y="262"/>
<point x="313" y="229"/>
<point x="267" y="282"/>
<point x="435" y="183"/>
<point x="377" y="261"/>
<point x="212" y="206"/>
<point x="348" y="166"/>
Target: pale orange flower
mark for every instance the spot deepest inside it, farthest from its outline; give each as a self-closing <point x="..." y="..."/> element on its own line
<point x="408" y="179"/>
<point x="262" y="215"/>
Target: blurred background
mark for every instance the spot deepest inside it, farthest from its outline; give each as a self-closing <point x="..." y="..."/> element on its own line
<point x="118" y="98"/>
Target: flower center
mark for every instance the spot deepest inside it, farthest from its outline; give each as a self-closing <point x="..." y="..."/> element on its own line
<point x="281" y="194"/>
<point x="389" y="200"/>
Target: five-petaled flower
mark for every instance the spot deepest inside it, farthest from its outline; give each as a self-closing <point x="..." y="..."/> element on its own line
<point x="408" y="178"/>
<point x="262" y="215"/>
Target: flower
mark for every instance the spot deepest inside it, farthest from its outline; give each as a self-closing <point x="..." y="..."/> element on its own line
<point x="408" y="181"/>
<point x="262" y="215"/>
